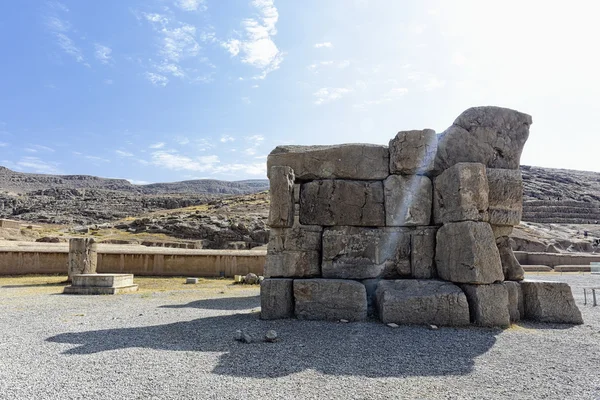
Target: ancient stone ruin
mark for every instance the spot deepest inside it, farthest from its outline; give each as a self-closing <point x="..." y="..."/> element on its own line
<point x="413" y="233"/>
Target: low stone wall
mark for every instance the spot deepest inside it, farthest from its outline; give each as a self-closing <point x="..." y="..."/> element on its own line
<point x="554" y="259"/>
<point x="204" y="263"/>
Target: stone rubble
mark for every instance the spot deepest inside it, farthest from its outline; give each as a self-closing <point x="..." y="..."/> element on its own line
<point x="413" y="233"/>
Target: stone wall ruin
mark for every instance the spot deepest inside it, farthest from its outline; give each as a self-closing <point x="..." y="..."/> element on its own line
<point x="413" y="233"/>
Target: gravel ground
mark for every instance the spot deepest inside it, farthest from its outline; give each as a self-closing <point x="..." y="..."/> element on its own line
<point x="179" y="345"/>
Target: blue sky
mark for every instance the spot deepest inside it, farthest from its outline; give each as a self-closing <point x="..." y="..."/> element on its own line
<point x="168" y="90"/>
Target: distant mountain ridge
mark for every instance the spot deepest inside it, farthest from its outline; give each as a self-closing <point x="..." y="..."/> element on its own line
<point x="23" y="182"/>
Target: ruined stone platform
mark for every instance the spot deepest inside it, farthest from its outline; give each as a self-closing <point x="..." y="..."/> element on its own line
<point x="101" y="284"/>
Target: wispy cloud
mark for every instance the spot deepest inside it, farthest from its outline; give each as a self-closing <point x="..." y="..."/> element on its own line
<point x="157" y="79"/>
<point x="227" y="138"/>
<point x="315" y="67"/>
<point x="182" y="140"/>
<point x="327" y="45"/>
<point x="38" y="147"/>
<point x="35" y="164"/>
<point x="175" y="161"/>
<point x="434" y="83"/>
<point x="137" y="182"/>
<point x="103" y="53"/>
<point x="191" y="5"/>
<point x="61" y="28"/>
<point x="158" y="145"/>
<point x="123" y="153"/>
<point x="257" y="48"/>
<point x="389" y="96"/>
<point x="4" y="144"/>
<point x="327" y="95"/>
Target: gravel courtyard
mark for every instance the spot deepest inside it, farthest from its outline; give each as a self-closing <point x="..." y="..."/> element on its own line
<point x="177" y="343"/>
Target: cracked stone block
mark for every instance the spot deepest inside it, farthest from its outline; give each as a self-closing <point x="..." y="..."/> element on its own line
<point x="461" y="194"/>
<point x="344" y="161"/>
<point x="511" y="267"/>
<point x="488" y="304"/>
<point x="505" y="196"/>
<point x="550" y="302"/>
<point x="413" y="152"/>
<point x="362" y="253"/>
<point x="281" y="210"/>
<point x="298" y="238"/>
<point x="466" y="252"/>
<point x="516" y="308"/>
<point x="422" y="256"/>
<point x="277" y="298"/>
<point x="500" y="230"/>
<point x="330" y="299"/>
<point x="83" y="256"/>
<point x="421" y="302"/>
<point x="407" y="200"/>
<point x="289" y="264"/>
<point x="339" y="202"/>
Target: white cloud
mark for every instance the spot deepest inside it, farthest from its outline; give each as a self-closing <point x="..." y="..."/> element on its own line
<point x="3" y="144"/>
<point x="191" y="5"/>
<point x="158" y="145"/>
<point x="258" y="48"/>
<point x="458" y="59"/>
<point x="103" y="53"/>
<point x="258" y="169"/>
<point x="227" y="138"/>
<point x="137" y="182"/>
<point x="37" y="147"/>
<point x="60" y="29"/>
<point x="434" y="83"/>
<point x="69" y="47"/>
<point x="123" y="153"/>
<point x="337" y="64"/>
<point x="182" y="140"/>
<point x="172" y="160"/>
<point x="172" y="69"/>
<point x="34" y="164"/>
<point x="157" y="79"/>
<point x="389" y="96"/>
<point x="96" y="158"/>
<point x="327" y="45"/>
<point x="327" y="95"/>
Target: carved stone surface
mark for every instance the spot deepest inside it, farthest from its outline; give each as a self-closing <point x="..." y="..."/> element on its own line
<point x="83" y="256"/>
<point x="466" y="252"/>
<point x="422" y="256"/>
<point x="289" y="264"/>
<point x="413" y="152"/>
<point x="330" y="299"/>
<point x="493" y="136"/>
<point x="505" y="196"/>
<point x="461" y="194"/>
<point x="550" y="302"/>
<point x="407" y="200"/>
<point x="298" y="238"/>
<point x="276" y="298"/>
<point x="344" y="161"/>
<point x="488" y="304"/>
<point x="416" y="301"/>
<point x="339" y="202"/>
<point x="281" y="210"/>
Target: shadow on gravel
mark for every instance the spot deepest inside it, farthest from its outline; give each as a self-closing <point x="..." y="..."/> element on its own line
<point x="367" y="349"/>
<point x="225" y="303"/>
<point x="35" y="285"/>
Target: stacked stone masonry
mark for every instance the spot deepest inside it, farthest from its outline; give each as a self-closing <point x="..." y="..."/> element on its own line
<point x="411" y="233"/>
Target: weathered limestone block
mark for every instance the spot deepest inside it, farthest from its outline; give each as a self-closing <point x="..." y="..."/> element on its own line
<point x="511" y="268"/>
<point x="493" y="136"/>
<point x="501" y="230"/>
<point x="505" y="196"/>
<point x="298" y="238"/>
<point x="291" y="264"/>
<point x="339" y="202"/>
<point x="277" y="298"/>
<point x="515" y="300"/>
<point x="550" y="302"/>
<point x="488" y="304"/>
<point x="330" y="299"/>
<point x="362" y="253"/>
<point x="461" y="194"/>
<point x="413" y="152"/>
<point x="344" y="161"/>
<point x="416" y="301"/>
<point x="466" y="252"/>
<point x="422" y="253"/>
<point x="407" y="200"/>
<point x="281" y="211"/>
<point x="83" y="256"/>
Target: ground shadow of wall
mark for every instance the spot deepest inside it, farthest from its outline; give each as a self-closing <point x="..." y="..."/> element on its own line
<point x="367" y="349"/>
<point x="223" y="303"/>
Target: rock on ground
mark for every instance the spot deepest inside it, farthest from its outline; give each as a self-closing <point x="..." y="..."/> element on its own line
<point x="550" y="302"/>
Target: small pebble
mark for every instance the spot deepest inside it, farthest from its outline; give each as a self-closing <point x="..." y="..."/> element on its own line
<point x="433" y="327"/>
<point x="392" y="325"/>
<point x="271" y="336"/>
<point x="344" y="321"/>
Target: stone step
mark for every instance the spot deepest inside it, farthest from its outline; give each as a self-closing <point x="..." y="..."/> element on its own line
<point x="100" y="289"/>
<point x="102" y="280"/>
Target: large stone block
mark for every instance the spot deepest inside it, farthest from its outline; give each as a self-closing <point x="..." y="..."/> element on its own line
<point x="277" y="298"/>
<point x="511" y="268"/>
<point x="466" y="252"/>
<point x="330" y="299"/>
<point x="415" y="301"/>
<point x="413" y="152"/>
<point x="422" y="254"/>
<point x="339" y="202"/>
<point x="516" y="307"/>
<point x="345" y="161"/>
<point x="407" y="200"/>
<point x="290" y="264"/>
<point x="461" y="194"/>
<point x="501" y="230"/>
<point x="492" y="136"/>
<point x="550" y="302"/>
<point x="83" y="256"/>
<point x="362" y="253"/>
<point x="281" y="191"/>
<point x="488" y="304"/>
<point x="298" y="238"/>
<point x="505" y="197"/>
